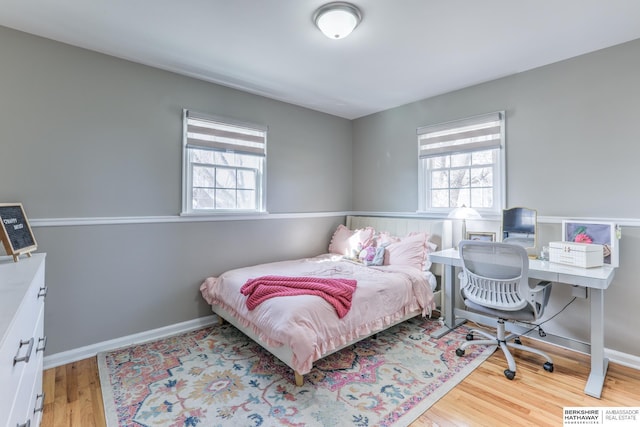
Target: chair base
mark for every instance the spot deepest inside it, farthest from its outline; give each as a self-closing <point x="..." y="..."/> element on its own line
<point x="504" y="342"/>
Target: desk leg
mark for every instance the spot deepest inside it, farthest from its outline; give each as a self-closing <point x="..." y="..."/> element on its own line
<point x="449" y="303"/>
<point x="599" y="363"/>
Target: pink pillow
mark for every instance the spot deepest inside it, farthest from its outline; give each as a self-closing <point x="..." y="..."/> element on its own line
<point x="350" y="242"/>
<point x="384" y="238"/>
<point x="410" y="250"/>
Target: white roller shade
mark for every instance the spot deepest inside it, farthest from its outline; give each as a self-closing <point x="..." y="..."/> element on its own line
<point x="472" y="134"/>
<point x="208" y="133"/>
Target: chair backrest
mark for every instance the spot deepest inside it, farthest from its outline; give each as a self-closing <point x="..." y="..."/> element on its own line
<point x="495" y="275"/>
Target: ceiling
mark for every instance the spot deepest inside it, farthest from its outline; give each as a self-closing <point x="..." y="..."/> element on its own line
<point x="403" y="51"/>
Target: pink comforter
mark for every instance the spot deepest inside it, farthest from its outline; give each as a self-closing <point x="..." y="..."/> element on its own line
<point x="308" y="324"/>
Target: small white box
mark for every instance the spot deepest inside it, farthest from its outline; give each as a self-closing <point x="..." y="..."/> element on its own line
<point x="584" y="255"/>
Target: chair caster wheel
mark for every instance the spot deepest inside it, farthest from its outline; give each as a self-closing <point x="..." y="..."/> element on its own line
<point x="509" y="374"/>
<point x="469" y="336"/>
<point x="459" y="352"/>
<point x="548" y="366"/>
<point x="517" y="341"/>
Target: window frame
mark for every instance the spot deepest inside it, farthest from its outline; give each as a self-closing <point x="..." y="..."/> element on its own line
<point x="188" y="166"/>
<point x="499" y="165"/>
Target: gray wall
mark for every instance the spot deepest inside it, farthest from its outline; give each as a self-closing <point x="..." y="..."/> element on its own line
<point x="86" y="135"/>
<point x="572" y="152"/>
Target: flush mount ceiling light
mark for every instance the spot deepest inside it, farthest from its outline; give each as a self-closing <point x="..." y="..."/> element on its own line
<point x="338" y="19"/>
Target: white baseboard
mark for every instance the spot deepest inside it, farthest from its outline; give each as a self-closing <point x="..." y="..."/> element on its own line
<point x="623" y="359"/>
<point x="74" y="355"/>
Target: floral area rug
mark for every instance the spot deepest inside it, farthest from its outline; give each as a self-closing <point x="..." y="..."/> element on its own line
<point x="216" y="376"/>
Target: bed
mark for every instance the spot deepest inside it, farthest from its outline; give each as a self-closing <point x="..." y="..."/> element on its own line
<point x="331" y="301"/>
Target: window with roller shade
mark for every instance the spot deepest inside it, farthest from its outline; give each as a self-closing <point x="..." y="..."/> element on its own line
<point x="462" y="163"/>
<point x="224" y="165"/>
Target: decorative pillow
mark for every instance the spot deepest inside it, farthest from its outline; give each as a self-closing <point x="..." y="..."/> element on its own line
<point x="372" y="255"/>
<point x="350" y="242"/>
<point x="367" y="254"/>
<point x="378" y="258"/>
<point x="410" y="250"/>
<point x="383" y="238"/>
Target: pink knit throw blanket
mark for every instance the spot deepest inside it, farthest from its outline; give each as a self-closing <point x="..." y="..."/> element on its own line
<point x="337" y="292"/>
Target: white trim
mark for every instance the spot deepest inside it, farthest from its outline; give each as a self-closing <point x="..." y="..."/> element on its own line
<point x="67" y="222"/>
<point x="624" y="359"/>
<point x="81" y="353"/>
<point x="629" y="222"/>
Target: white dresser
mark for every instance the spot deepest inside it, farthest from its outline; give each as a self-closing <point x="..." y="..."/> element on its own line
<point x="22" y="341"/>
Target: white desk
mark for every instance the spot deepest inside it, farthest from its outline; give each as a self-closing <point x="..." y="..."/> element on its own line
<point x="597" y="280"/>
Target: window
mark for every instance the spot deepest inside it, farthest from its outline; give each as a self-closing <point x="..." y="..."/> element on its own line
<point x="461" y="163"/>
<point x="224" y="165"/>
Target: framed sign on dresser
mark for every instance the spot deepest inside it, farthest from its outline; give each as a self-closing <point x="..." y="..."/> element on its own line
<point x="15" y="232"/>
<point x="22" y="340"/>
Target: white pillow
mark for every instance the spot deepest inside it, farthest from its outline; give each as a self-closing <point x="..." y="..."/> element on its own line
<point x="350" y="242"/>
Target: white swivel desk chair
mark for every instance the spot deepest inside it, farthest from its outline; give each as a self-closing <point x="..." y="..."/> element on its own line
<point x="494" y="281"/>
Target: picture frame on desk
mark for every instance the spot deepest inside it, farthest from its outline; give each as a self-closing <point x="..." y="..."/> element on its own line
<point x="484" y="236"/>
<point x="603" y="233"/>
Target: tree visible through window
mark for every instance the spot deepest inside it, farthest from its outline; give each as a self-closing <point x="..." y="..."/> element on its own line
<point x="461" y="164"/>
<point x="224" y="165"/>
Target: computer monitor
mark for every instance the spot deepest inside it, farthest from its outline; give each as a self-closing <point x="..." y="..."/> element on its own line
<point x="519" y="226"/>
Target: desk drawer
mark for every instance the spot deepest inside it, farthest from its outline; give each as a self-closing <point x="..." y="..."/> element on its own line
<point x="585" y="282"/>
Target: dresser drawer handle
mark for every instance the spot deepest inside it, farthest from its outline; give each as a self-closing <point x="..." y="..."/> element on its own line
<point x="41" y="408"/>
<point x="42" y="340"/>
<point x="27" y="356"/>
<point x="27" y="424"/>
<point x="43" y="291"/>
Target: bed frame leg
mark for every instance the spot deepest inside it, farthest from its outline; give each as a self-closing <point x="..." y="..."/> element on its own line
<point x="220" y="320"/>
<point x="299" y="379"/>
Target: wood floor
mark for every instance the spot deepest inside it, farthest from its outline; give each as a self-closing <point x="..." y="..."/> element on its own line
<point x="485" y="398"/>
